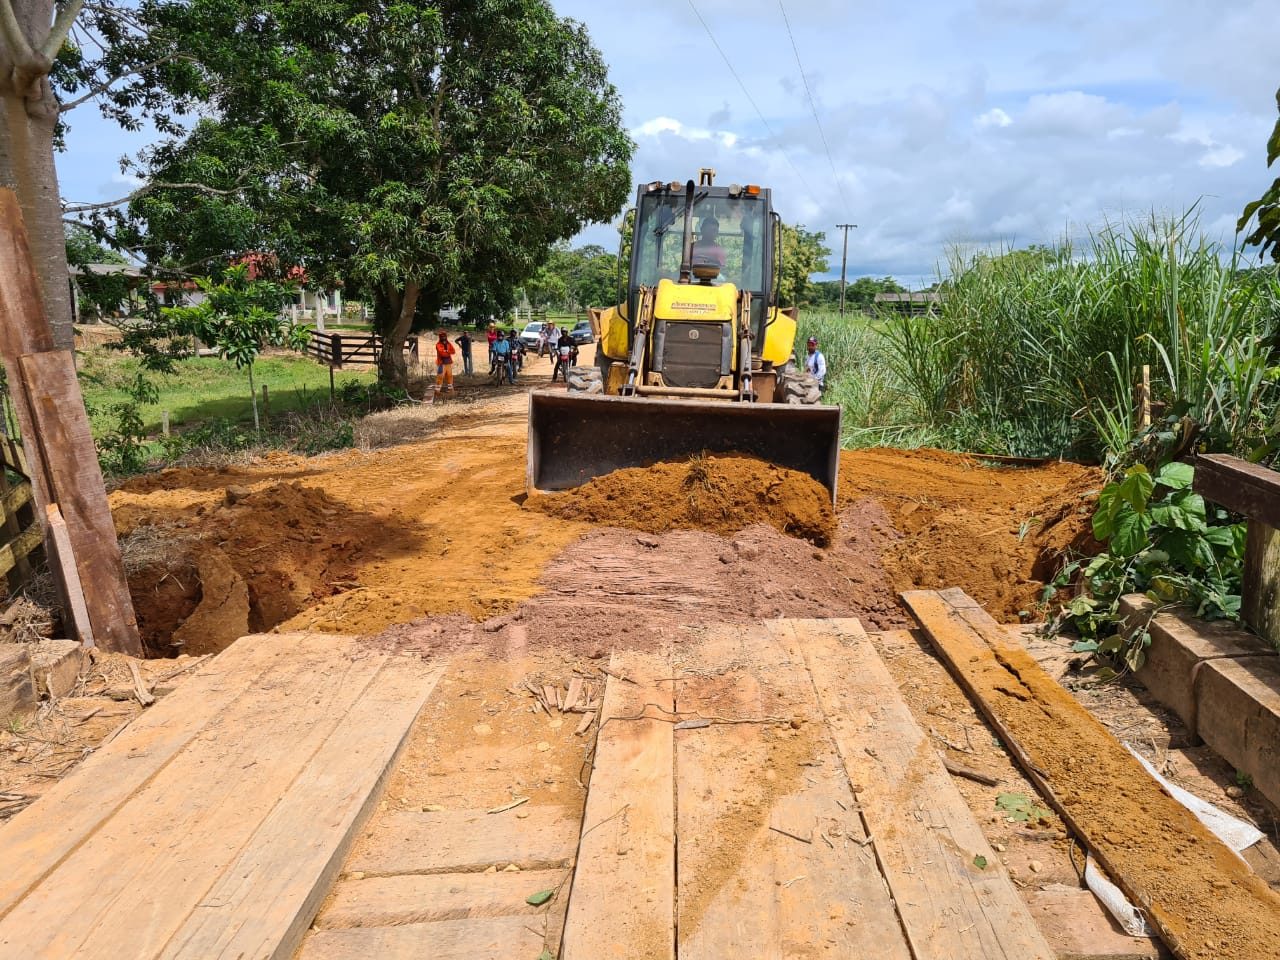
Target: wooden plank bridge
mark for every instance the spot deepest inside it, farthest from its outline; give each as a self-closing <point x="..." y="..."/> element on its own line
<point x="762" y="789"/>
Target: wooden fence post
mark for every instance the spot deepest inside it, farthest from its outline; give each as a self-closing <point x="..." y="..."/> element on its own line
<point x="57" y="442"/>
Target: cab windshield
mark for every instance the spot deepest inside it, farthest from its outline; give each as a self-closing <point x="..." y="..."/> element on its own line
<point x="724" y="228"/>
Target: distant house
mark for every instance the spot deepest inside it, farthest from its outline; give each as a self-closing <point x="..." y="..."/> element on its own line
<point x="915" y="304"/>
<point x="79" y="274"/>
<point x="308" y="303"/>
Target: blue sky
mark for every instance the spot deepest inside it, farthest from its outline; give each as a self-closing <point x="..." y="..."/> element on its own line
<point x="980" y="122"/>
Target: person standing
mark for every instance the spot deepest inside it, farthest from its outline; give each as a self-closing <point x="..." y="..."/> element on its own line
<point x="493" y="336"/>
<point x="444" y="362"/>
<point x="816" y="363"/>
<point x="464" y="347"/>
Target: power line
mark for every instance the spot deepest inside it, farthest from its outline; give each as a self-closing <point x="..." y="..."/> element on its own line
<point x="747" y="93"/>
<point x="814" y="108"/>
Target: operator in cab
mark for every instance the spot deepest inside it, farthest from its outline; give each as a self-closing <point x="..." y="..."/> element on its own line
<point x="707" y="249"/>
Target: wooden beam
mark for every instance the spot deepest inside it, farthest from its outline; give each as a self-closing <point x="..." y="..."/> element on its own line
<point x="772" y="851"/>
<point x="1242" y="487"/>
<point x="266" y="900"/>
<point x="953" y="896"/>
<point x="622" y="904"/>
<point x="39" y="838"/>
<point x="64" y="558"/>
<point x="13" y="552"/>
<point x="59" y="446"/>
<point x="1199" y="895"/>
<point x="71" y="465"/>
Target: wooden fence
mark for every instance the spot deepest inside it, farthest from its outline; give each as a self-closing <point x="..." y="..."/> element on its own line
<point x="336" y="349"/>
<point x="23" y="534"/>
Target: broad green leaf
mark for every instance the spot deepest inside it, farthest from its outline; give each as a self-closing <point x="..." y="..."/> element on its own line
<point x="1084" y="646"/>
<point x="1111" y="645"/>
<point x="1136" y="487"/>
<point x="1132" y="534"/>
<point x="980" y="862"/>
<point x="539" y="898"/>
<point x="1176" y="475"/>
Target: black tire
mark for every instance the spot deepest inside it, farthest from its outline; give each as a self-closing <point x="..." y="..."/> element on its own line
<point x="798" y="387"/>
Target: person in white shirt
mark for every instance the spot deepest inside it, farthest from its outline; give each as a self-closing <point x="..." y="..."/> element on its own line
<point x="816" y="363"/>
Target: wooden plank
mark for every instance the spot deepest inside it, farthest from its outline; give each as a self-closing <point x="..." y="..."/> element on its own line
<point x="17" y="691"/>
<point x="12" y="499"/>
<point x="127" y="889"/>
<point x="1177" y="873"/>
<point x="622" y="903"/>
<point x="772" y="853"/>
<point x="267" y="898"/>
<point x="16" y="550"/>
<point x="15" y="498"/>
<point x="925" y="836"/>
<point x="41" y="836"/>
<point x="1242" y="487"/>
<point x="393" y="901"/>
<point x="410" y="841"/>
<point x="500" y="938"/>
<point x="71" y="461"/>
<point x="70" y="576"/>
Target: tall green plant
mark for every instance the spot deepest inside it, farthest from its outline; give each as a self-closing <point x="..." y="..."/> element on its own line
<point x="1040" y="352"/>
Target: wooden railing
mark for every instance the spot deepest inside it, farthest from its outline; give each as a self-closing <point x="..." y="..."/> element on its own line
<point x="23" y="533"/>
<point x="1254" y="493"/>
<point x="336" y="349"/>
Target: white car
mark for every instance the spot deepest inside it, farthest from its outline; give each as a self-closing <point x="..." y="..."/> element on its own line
<point x="530" y="336"/>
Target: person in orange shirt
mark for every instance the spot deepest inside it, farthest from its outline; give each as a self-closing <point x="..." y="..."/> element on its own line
<point x="444" y="362"/>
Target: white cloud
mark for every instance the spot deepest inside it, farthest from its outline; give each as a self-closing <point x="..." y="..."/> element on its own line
<point x="995" y="117"/>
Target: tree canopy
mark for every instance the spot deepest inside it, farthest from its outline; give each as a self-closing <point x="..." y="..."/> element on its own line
<point x="421" y="152"/>
<point x="1266" y="234"/>
<point x="575" y="279"/>
<point x="804" y="253"/>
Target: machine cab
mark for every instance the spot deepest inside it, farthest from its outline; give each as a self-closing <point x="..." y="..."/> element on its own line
<point x="706" y="235"/>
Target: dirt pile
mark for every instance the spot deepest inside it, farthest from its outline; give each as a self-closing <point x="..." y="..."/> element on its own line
<point x="718" y="494"/>
<point x="245" y="563"/>
<point x="998" y="532"/>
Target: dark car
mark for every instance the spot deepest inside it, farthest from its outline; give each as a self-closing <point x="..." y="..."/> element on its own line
<point x="582" y="333"/>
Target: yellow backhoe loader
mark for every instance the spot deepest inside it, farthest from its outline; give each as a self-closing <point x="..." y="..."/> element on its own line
<point x="698" y="356"/>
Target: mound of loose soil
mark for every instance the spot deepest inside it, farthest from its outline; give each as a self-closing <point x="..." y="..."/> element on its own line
<point x="718" y="494"/>
<point x="998" y="532"/>
<point x="248" y="562"/>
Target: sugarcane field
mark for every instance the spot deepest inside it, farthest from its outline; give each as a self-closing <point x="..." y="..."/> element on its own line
<point x="541" y="480"/>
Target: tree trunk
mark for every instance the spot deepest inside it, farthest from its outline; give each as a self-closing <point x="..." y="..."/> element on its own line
<point x="392" y="370"/>
<point x="28" y="115"/>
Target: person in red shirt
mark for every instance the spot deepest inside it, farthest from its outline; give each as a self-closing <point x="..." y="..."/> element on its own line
<point x="444" y="362"/>
<point x="492" y="335"/>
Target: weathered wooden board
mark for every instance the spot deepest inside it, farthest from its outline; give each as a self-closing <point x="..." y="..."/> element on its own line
<point x="428" y="898"/>
<point x="1178" y="873"/>
<point x="71" y="461"/>
<point x="499" y="938"/>
<point x="622" y="905"/>
<point x="772" y="854"/>
<point x="41" y="836"/>
<point x="267" y="898"/>
<point x="131" y="885"/>
<point x="409" y="841"/>
<point x="954" y="899"/>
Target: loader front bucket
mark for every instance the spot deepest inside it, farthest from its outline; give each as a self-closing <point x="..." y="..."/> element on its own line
<point x="574" y="436"/>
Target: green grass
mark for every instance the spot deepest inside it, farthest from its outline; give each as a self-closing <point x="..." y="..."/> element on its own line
<point x="205" y="388"/>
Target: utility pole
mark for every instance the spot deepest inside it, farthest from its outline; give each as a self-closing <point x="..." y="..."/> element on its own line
<point x="844" y="258"/>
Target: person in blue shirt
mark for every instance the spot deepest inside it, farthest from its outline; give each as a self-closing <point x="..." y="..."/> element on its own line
<point x="502" y="354"/>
